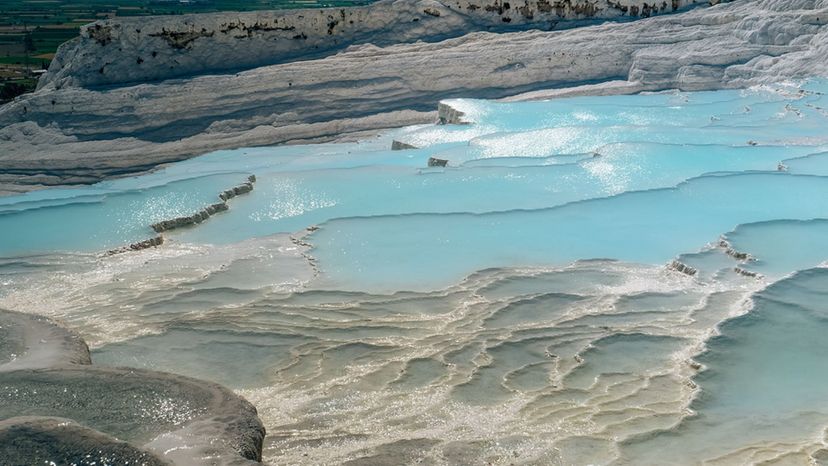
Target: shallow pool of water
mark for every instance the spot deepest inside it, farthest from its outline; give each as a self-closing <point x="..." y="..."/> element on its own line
<point x="520" y="305"/>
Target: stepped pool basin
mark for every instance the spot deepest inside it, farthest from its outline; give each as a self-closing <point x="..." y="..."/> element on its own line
<point x="593" y="280"/>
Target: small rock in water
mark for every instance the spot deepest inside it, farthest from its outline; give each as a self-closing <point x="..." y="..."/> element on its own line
<point x="683" y="268"/>
<point x="435" y="162"/>
<point x="150" y="243"/>
<point x="742" y="256"/>
<point x="746" y="273"/>
<point x="146" y="244"/>
<point x="738" y="255"/>
<point x="397" y="145"/>
<point x="208" y="211"/>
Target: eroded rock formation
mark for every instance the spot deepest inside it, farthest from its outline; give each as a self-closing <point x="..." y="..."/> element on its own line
<point x="448" y="115"/>
<point x="30" y="341"/>
<point x="187" y="220"/>
<point x="42" y="440"/>
<point x="207" y="212"/>
<point x="747" y="273"/>
<point x="738" y="255"/>
<point x="138" y="246"/>
<point x="124" y="50"/>
<point x="57" y="408"/>
<point x="683" y="268"/>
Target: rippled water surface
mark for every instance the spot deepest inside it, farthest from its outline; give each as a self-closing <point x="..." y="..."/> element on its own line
<point x="519" y="306"/>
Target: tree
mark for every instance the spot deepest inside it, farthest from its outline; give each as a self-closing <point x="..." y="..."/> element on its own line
<point x="28" y="43"/>
<point x="9" y="91"/>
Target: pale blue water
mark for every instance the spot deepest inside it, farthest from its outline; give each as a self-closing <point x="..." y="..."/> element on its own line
<point x="514" y="306"/>
<point x="766" y="378"/>
<point x="644" y="142"/>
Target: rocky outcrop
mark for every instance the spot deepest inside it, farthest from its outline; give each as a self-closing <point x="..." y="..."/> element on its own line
<point x="738" y="255"/>
<point x="187" y="220"/>
<point x="448" y="115"/>
<point x="42" y="440"/>
<point x="747" y="273"/>
<point x="123" y="50"/>
<point x="30" y="341"/>
<point x="139" y="246"/>
<point x="207" y="212"/>
<point x="78" y="135"/>
<point x="237" y="190"/>
<point x="683" y="268"/>
<point x="57" y="408"/>
<point x="153" y="410"/>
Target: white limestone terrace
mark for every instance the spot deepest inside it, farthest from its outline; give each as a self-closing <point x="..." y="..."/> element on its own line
<point x="65" y="133"/>
<point x="136" y="50"/>
<point x="54" y="402"/>
<point x="28" y="341"/>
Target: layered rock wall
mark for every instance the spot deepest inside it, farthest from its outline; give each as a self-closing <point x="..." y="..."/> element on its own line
<point x="126" y="50"/>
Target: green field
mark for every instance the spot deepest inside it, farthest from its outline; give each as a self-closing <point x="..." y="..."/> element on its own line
<point x="32" y="30"/>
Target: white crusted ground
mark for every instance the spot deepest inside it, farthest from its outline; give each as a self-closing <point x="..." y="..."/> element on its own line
<point x="77" y="134"/>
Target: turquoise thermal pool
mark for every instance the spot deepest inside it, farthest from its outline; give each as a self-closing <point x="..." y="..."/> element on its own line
<point x="591" y="280"/>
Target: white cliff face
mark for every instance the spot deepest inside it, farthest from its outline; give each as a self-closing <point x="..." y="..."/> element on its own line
<point x="135" y="50"/>
<point x="76" y="134"/>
